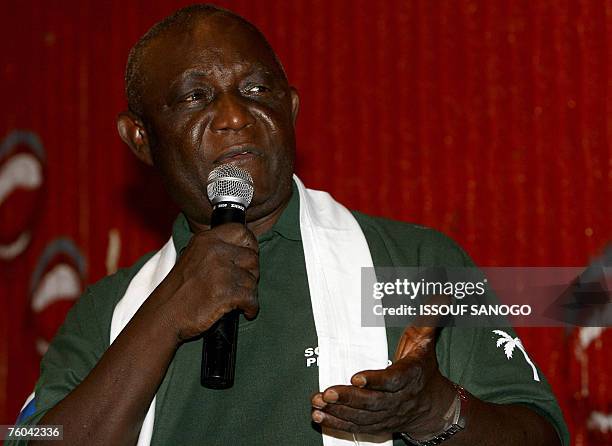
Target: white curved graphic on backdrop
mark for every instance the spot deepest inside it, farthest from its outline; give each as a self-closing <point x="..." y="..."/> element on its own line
<point x="15" y="248"/>
<point x="57" y="279"/>
<point x="62" y="282"/>
<point x="599" y="421"/>
<point x="19" y="170"/>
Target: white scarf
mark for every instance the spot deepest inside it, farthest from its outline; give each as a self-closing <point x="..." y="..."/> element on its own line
<point x="335" y="250"/>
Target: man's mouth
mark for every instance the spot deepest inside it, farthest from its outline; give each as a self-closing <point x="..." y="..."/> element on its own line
<point x="238" y="154"/>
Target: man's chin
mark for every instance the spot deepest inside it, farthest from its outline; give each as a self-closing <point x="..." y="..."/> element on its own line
<point x="265" y="204"/>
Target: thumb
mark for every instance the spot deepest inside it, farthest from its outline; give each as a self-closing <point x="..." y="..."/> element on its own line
<point x="415" y="342"/>
<point x="418" y="339"/>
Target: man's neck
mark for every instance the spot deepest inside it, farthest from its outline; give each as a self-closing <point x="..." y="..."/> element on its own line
<point x="258" y="226"/>
<point x="264" y="224"/>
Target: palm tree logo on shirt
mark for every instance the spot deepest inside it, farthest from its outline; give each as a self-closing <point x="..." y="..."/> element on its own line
<point x="510" y="344"/>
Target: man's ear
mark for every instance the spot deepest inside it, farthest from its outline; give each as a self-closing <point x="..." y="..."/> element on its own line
<point x="132" y="132"/>
<point x="295" y="103"/>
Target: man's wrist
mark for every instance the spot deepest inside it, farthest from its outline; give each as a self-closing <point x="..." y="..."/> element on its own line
<point x="442" y="397"/>
<point x="454" y="421"/>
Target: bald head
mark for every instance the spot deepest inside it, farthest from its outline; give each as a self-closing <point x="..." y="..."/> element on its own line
<point x="180" y="21"/>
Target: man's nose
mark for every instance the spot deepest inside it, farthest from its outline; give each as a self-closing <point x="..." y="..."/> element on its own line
<point x="230" y="113"/>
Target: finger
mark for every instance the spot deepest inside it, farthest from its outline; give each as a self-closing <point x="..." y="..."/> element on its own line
<point x="249" y="304"/>
<point x="357" y="398"/>
<point x="236" y="234"/>
<point x="246" y="259"/>
<point x="242" y="278"/>
<point x="359" y="417"/>
<point x="317" y="401"/>
<point x="330" y="421"/>
<point x="415" y="342"/>
<point x="392" y="379"/>
<point x="333" y="422"/>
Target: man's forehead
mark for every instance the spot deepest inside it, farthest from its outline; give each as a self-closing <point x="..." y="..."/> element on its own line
<point x="210" y="40"/>
<point x="239" y="67"/>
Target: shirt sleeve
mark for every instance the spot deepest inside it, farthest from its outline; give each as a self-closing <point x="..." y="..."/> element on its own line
<point x="506" y="374"/>
<point x="490" y="362"/>
<point x="73" y="352"/>
<point x="494" y="365"/>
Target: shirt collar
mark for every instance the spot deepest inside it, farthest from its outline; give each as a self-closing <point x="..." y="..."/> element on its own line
<point x="287" y="226"/>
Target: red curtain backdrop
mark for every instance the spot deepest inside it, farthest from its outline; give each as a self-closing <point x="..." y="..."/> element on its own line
<point x="488" y="120"/>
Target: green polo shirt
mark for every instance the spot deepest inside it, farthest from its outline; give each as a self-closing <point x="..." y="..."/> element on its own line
<point x="276" y="367"/>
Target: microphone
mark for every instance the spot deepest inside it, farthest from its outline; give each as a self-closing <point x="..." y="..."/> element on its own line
<point x="230" y="191"/>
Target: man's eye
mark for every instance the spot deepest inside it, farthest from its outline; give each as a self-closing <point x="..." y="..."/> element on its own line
<point x="257" y="89"/>
<point x="194" y="96"/>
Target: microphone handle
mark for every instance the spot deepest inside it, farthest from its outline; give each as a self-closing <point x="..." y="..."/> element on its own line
<point x="219" y="352"/>
<point x="220" y="340"/>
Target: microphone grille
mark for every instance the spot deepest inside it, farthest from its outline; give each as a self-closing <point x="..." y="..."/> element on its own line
<point x="230" y="183"/>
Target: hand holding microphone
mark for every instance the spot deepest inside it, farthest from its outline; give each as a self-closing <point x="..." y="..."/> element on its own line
<point x="216" y="275"/>
<point x="230" y="190"/>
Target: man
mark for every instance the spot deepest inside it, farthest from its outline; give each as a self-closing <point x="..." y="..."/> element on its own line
<point x="204" y="88"/>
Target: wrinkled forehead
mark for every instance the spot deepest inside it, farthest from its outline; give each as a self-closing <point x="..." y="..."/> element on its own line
<point x="209" y="44"/>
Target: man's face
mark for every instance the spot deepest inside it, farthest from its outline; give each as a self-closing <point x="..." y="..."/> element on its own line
<point x="215" y="94"/>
